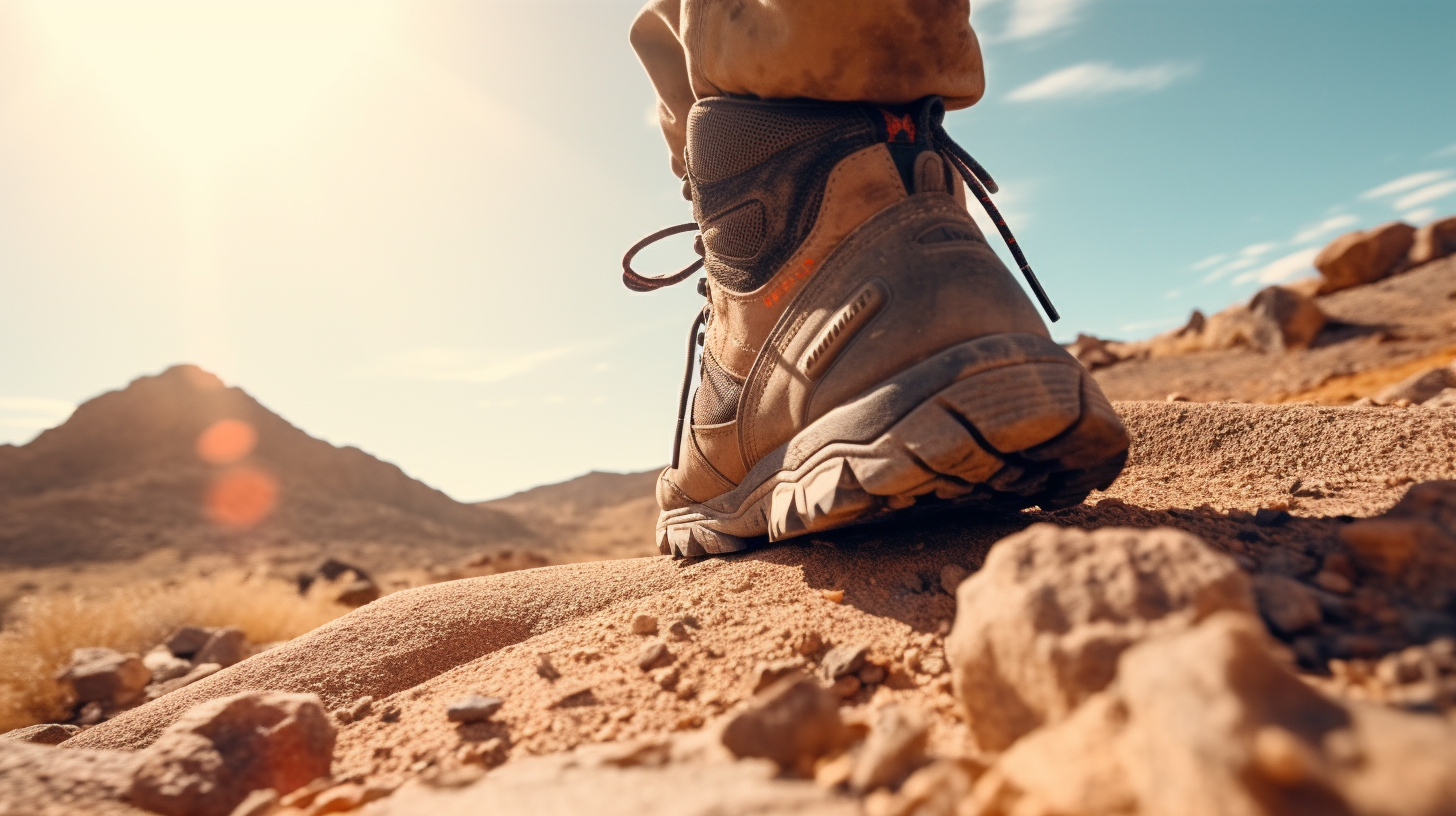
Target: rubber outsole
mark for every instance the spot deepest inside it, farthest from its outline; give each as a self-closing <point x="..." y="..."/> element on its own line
<point x="1021" y="424"/>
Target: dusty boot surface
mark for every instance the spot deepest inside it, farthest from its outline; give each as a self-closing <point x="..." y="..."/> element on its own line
<point x="865" y="351"/>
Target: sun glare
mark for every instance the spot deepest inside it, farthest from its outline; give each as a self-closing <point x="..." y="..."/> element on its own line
<point x="208" y="76"/>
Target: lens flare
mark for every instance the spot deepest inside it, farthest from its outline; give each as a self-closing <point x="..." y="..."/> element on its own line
<point x="226" y="441"/>
<point x="241" y="497"/>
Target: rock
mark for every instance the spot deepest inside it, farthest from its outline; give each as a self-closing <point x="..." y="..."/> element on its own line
<point x="105" y="675"/>
<point x="212" y="757"/>
<point x="894" y="748"/>
<point x="43" y="734"/>
<point x="806" y="642"/>
<point x="654" y="655"/>
<point x="766" y="674"/>
<point x="872" y="674"/>
<point x="1364" y="257"/>
<point x="1207" y="721"/>
<point x="545" y="668"/>
<point x="846" y="686"/>
<point x="936" y="789"/>
<point x="339" y="799"/>
<point x="951" y="576"/>
<point x="188" y="640"/>
<point x="257" y="803"/>
<point x="361" y="707"/>
<point x="356" y="593"/>
<point x="473" y="708"/>
<point x="843" y="660"/>
<point x="793" y="722"/>
<point x="1092" y="352"/>
<point x="1040" y="627"/>
<point x="164" y="665"/>
<point x="1282" y="319"/>
<point x="1422" y="387"/>
<point x="198" y="672"/>
<point x="1289" y="606"/>
<point x="226" y="647"/>
<point x="644" y="624"/>
<point x="1445" y="399"/>
<point x="1413" y="543"/>
<point x="1434" y="241"/>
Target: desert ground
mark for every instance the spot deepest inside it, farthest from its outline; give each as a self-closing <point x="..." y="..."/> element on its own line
<point x="1258" y="616"/>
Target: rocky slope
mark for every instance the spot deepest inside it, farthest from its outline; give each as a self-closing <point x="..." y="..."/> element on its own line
<point x="181" y="461"/>
<point x="650" y="659"/>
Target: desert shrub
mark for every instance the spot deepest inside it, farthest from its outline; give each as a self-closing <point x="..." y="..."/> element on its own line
<point x="44" y="629"/>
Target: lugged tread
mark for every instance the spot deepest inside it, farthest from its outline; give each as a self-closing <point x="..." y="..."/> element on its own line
<point x="1055" y="438"/>
<point x="1018" y="407"/>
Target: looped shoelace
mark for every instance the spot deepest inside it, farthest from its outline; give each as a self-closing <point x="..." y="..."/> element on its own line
<point x="977" y="179"/>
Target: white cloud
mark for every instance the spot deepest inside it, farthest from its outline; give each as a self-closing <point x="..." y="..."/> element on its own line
<point x="1332" y="224"/>
<point x="1235" y="265"/>
<point x="1448" y="150"/>
<point x="1421" y="216"/>
<point x="1098" y="78"/>
<point x="1404" y="183"/>
<point x="1211" y="260"/>
<point x="1172" y="294"/>
<point x="1255" y="250"/>
<point x="1286" y="268"/>
<point x="461" y="365"/>
<point x="1032" y="18"/>
<point x="1425" y="195"/>
<point x="33" y="413"/>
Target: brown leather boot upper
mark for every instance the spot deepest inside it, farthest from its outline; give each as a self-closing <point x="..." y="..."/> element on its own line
<point x="838" y="252"/>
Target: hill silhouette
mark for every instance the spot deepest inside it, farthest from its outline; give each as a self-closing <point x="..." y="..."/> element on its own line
<point x="181" y="460"/>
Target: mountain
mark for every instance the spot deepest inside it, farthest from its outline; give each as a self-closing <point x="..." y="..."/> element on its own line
<point x="180" y="460"/>
<point x="598" y="515"/>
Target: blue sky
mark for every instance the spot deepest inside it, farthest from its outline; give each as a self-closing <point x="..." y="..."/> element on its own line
<point x="400" y="224"/>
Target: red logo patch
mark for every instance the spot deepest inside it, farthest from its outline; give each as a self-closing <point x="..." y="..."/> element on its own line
<point x="895" y="125"/>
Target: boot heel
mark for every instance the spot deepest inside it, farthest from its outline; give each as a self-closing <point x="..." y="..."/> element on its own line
<point x="1031" y="434"/>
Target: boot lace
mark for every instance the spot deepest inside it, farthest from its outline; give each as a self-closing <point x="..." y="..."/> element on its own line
<point x="980" y="182"/>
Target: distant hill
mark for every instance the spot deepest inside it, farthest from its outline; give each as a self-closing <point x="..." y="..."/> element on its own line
<point x="598" y="515"/>
<point x="180" y="460"/>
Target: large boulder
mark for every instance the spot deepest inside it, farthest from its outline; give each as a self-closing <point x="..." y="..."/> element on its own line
<point x="1040" y="627"/>
<point x="1364" y="257"/>
<point x="1421" y="387"/>
<point x="1434" y="241"/>
<point x="1281" y="319"/>
<point x="105" y="675"/>
<point x="1210" y="721"/>
<point x="1412" y="545"/>
<point x="217" y="753"/>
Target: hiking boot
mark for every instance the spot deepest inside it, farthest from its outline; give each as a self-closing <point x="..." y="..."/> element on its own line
<point x="865" y="350"/>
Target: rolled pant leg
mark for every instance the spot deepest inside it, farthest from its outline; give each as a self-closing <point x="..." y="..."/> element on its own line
<point x="888" y="51"/>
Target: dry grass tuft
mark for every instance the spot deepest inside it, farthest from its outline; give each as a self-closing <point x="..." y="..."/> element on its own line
<point x="38" y="640"/>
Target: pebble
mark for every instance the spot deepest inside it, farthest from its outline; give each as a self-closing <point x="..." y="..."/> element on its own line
<point x="654" y="655"/>
<point x="894" y="748"/>
<point x="846" y="686"/>
<point x="951" y="576"/>
<point x="843" y="660"/>
<point x="473" y="708"/>
<point x="872" y="674"/>
<point x="361" y="707"/>
<point x="806" y="643"/>
<point x="644" y="624"/>
<point x="834" y="595"/>
<point x="766" y="674"/>
<point x="545" y="668"/>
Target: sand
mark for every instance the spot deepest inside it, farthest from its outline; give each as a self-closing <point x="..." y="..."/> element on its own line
<point x="1201" y="467"/>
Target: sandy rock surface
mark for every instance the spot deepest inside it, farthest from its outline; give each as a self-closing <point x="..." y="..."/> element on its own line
<point x="627" y="655"/>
